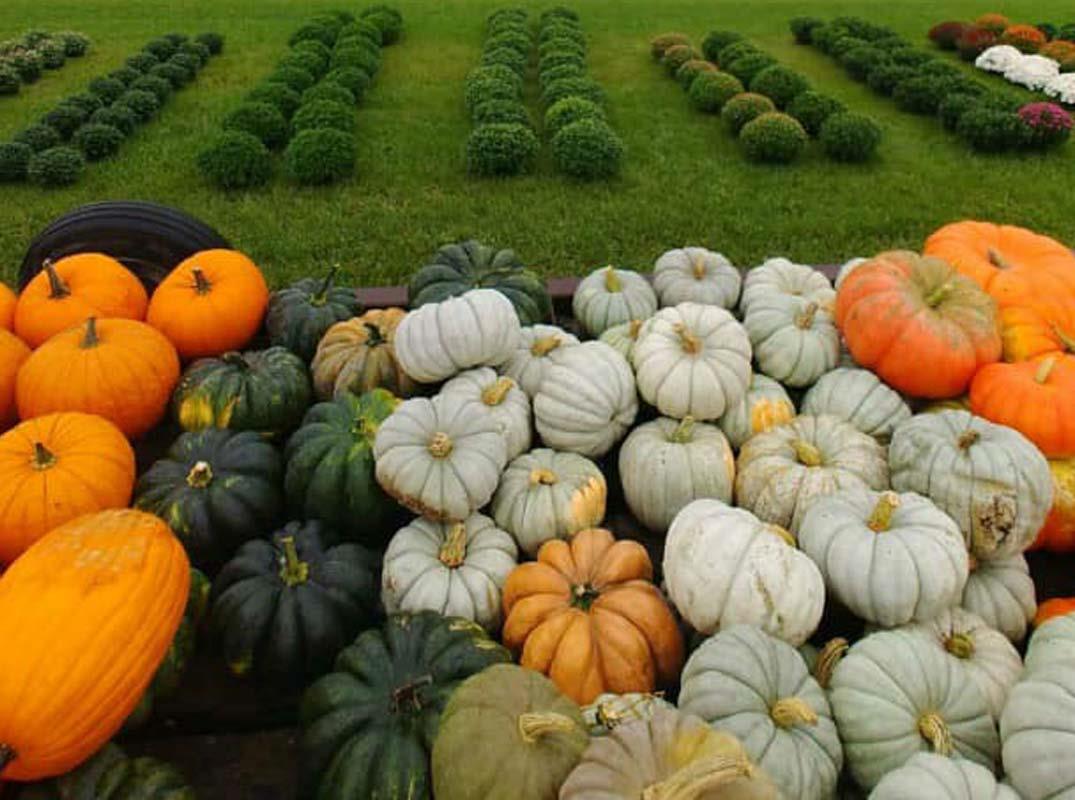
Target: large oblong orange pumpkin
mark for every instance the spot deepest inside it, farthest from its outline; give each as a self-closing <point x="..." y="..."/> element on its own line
<point x="211" y="303"/>
<point x="86" y="617"/>
<point x="13" y="351"/>
<point x="7" y="307"/>
<point x="1058" y="533"/>
<point x="916" y="322"/>
<point x="587" y="614"/>
<point x="66" y="293"/>
<point x="55" y="468"/>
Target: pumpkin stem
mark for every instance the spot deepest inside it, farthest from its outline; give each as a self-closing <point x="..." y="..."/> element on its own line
<point x="545" y="345"/>
<point x="807" y="453"/>
<point x="440" y="446"/>
<point x="43" y="457"/>
<point x="805" y="320"/>
<point x="612" y="280"/>
<point x="90" y="339"/>
<point x="787" y="712"/>
<point x="200" y="475"/>
<point x="454" y="549"/>
<point x="634" y="326"/>
<point x="408" y="694"/>
<point x="201" y="283"/>
<point x="830" y="655"/>
<point x="7" y="755"/>
<point x="293" y="571"/>
<point x="690" y="343"/>
<point x="698" y="268"/>
<point x="935" y="730"/>
<point x="939" y="295"/>
<point x="684" y="431"/>
<point x="700" y="778"/>
<point x="234" y="358"/>
<point x="58" y="289"/>
<point x="782" y="533"/>
<point x="967" y="439"/>
<point x="1045" y="369"/>
<point x="494" y="395"/>
<point x="321" y="297"/>
<point x="374" y="336"/>
<point x="546" y="477"/>
<point x="961" y="645"/>
<point x="881" y="518"/>
<point x="583" y="596"/>
<point x="535" y="724"/>
<point x="1067" y="341"/>
<point x="997" y="259"/>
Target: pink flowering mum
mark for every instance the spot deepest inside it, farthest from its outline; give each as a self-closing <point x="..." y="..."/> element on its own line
<point x="1049" y="123"/>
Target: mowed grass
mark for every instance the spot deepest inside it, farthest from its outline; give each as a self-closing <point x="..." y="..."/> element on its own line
<point x="685" y="179"/>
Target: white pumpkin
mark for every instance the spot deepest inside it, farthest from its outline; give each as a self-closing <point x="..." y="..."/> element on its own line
<point x="747" y="683"/>
<point x="765" y="405"/>
<point x="1001" y="592"/>
<point x="696" y="275"/>
<point x="500" y="398"/>
<point x="781" y="276"/>
<point x="530" y="361"/>
<point x="783" y="471"/>
<point x="928" y="776"/>
<point x="454" y="568"/>
<point x="859" y="397"/>
<point x="440" y="457"/>
<point x="437" y="340"/>
<point x="622" y="337"/>
<point x="1053" y="642"/>
<point x="692" y="360"/>
<point x="667" y="463"/>
<point x="846" y="269"/>
<point x="587" y="401"/>
<point x="547" y="495"/>
<point x="795" y="341"/>
<point x="989" y="478"/>
<point x="723" y="566"/>
<point x="890" y="558"/>
<point x="611" y="296"/>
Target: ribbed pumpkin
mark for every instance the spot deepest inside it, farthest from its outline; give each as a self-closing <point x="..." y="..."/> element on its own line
<point x="1058" y="533"/>
<point x="7" y="307"/>
<point x="784" y="277"/>
<point x="530" y="362"/>
<point x="765" y="405"/>
<point x="300" y="314"/>
<point x="587" y="615"/>
<point x="1001" y="592"/>
<point x="622" y="338"/>
<point x="795" y="341"/>
<point x="211" y="303"/>
<point x="1027" y="332"/>
<point x="111" y="775"/>
<point x="859" y="397"/>
<point x="501" y="398"/>
<point x="70" y="291"/>
<point x="696" y="275"/>
<point x="358" y="355"/>
<point x="1052" y="644"/>
<point x="121" y="369"/>
<point x="89" y="612"/>
<point x="12" y="353"/>
<point x="928" y="776"/>
<point x="611" y="296"/>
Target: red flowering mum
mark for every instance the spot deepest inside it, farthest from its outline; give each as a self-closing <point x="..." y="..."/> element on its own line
<point x="974" y="42"/>
<point x="1026" y="38"/>
<point x="946" y="34"/>
<point x="995" y="23"/>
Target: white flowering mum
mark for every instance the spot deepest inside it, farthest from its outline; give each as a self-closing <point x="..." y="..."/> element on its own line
<point x="1062" y="88"/>
<point x="998" y="58"/>
<point x="1033" y="72"/>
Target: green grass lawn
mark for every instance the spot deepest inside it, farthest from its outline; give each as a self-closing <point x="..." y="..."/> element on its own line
<point x="685" y="179"/>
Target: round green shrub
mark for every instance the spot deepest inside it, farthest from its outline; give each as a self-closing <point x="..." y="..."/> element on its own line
<point x="363" y="30"/>
<point x="214" y="41"/>
<point x="779" y="84"/>
<point x="354" y="80"/>
<point x="802" y="28"/>
<point x="487" y="83"/>
<point x="909" y="57"/>
<point x="262" y="120"/>
<point x="502" y="112"/>
<point x="561" y="30"/>
<point x="559" y="13"/>
<point x="38" y="137"/>
<point x="860" y="61"/>
<point x="512" y="39"/>
<point x="87" y="101"/>
<point x="108" y="89"/>
<point x="921" y="94"/>
<point x="941" y="69"/>
<point x="742" y="108"/>
<point x="954" y="106"/>
<point x="57" y="166"/>
<point x="156" y="84"/>
<point x="812" y="109"/>
<point x="298" y="79"/>
<point x="711" y="90"/>
<point x="328" y="90"/>
<point x="176" y="76"/>
<point x="143" y="104"/>
<point x="358" y="58"/>
<point x="734" y="51"/>
<point x="125" y="75"/>
<point x="562" y="58"/>
<point x="388" y="19"/>
<point x="65" y="119"/>
<point x="561" y="72"/>
<point x="510" y="15"/>
<point x="35" y="36"/>
<point x="314" y="63"/>
<point x="52" y="53"/>
<point x="315" y="31"/>
<point x="678" y="55"/>
<point x="773" y="138"/>
<point x="989" y="130"/>
<point x="162" y="48"/>
<point x="573" y="87"/>
<point x="9" y="80"/>
<point x="849" y="137"/>
<point x="28" y="64"/>
<point x="116" y="116"/>
<point x="143" y="62"/>
<point x="571" y="109"/>
<point x="286" y="99"/>
<point x="747" y="67"/>
<point x="177" y="38"/>
<point x="186" y="61"/>
<point x="574" y="46"/>
<point x="501" y="148"/>
<point x="14" y="159"/>
<point x="884" y="78"/>
<point x="686" y="74"/>
<point x="328" y="20"/>
<point x="320" y="156"/>
<point x="97" y="141"/>
<point x="658" y="44"/>
<point x="322" y="114"/>
<point x="587" y="149"/>
<point x="75" y="44"/>
<point x="314" y="46"/>
<point x="235" y="160"/>
<point x="715" y="41"/>
<point x="509" y="57"/>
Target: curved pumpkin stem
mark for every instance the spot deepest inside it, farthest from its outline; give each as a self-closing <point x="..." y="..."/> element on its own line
<point x="454" y="550"/>
<point x="935" y="731"/>
<point x="374" y="336"/>
<point x="202" y="285"/>
<point x="939" y="295"/>
<point x="1045" y="369"/>
<point x="684" y="431"/>
<point x="831" y="654"/>
<point x="58" y="289"/>
<point x="535" y="724"/>
<point x="700" y="778"/>
<point x="968" y="439"/>
<point x="43" y="457"/>
<point x="634" y="326"/>
<point x="805" y="320"/>
<point x="961" y="645"/>
<point x="997" y="259"/>
<point x="321" y="297"/>
<point x="687" y="340"/>
<point x="612" y="280"/>
<point x="409" y="694"/>
<point x="698" y="268"/>
<point x="881" y="518"/>
<point x="546" y="477"/>
<point x="545" y="345"/>
<point x="293" y="570"/>
<point x="440" y="446"/>
<point x="494" y="394"/>
<point x="807" y="453"/>
<point x="7" y="755"/>
<point x="200" y="475"/>
<point x="787" y="712"/>
<point x="1067" y="340"/>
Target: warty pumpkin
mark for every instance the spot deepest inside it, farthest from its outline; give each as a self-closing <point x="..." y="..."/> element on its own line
<point x="859" y="397"/>
<point x="111" y="775"/>
<point x="1057" y="535"/>
<point x="1002" y="593"/>
<point x="210" y="303"/>
<point x="794" y="341"/>
<point x="530" y="362"/>
<point x="88" y="611"/>
<point x="7" y="307"/>
<point x="696" y="275"/>
<point x="55" y="468"/>
<point x="300" y="314"/>
<point x="764" y="406"/>
<point x="901" y="310"/>
<point x="611" y="296"/>
<point x="587" y="615"/>
<point x="784" y="277"/>
<point x="70" y="291"/>
<point x="502" y="399"/>
<point x="13" y="351"/>
<point x="358" y="355"/>
<point x="928" y="776"/>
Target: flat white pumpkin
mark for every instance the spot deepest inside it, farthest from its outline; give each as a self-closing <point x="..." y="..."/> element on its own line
<point x="723" y="566"/>
<point x="692" y="360"/>
<point x="502" y="399"/>
<point x="547" y="495"/>
<point x="765" y="405"/>
<point x="781" y="276"/>
<point x="1002" y="593"/>
<point x="859" y="397"/>
<point x="437" y="340"/>
<point x="928" y="776"/>
<point x="747" y="683"/>
<point x="456" y="569"/>
<point x="440" y="457"/>
<point x="696" y="275"/>
<point x="890" y="558"/>
<point x="611" y="296"/>
<point x="1037" y="730"/>
<point x="783" y="471"/>
<point x="667" y="463"/>
<point x="795" y="341"/>
<point x="587" y="401"/>
<point x="530" y="361"/>
<point x="622" y="337"/>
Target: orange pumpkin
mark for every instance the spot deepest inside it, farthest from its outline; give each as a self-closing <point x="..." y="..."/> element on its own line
<point x="1058" y="533"/>
<point x="211" y="303"/>
<point x="7" y="307"/>
<point x="587" y="614"/>
<point x="73" y="289"/>
<point x="86" y="617"/>
<point x="1056" y="607"/>
<point x="1027" y="332"/>
<point x="1036" y="397"/>
<point x="121" y="369"/>
<point x="917" y="323"/>
<point x="12" y="353"/>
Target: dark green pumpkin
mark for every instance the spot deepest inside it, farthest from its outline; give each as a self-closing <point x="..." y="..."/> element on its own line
<point x="111" y="775"/>
<point x="330" y="468"/>
<point x="267" y="391"/>
<point x="283" y="608"/>
<point x="458" y="268"/>
<point x="368" y="727"/>
<point x="216" y="489"/>
<point x="300" y="314"/>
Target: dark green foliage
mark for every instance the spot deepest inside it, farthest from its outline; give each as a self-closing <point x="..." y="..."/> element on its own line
<point x="143" y="104"/>
<point x="862" y="60"/>
<point x="143" y="62"/>
<point x="186" y="61"/>
<point x="214" y="41"/>
<point x="716" y="41"/>
<point x="746" y="67"/>
<point x="328" y="20"/>
<point x="312" y="30"/>
<point x="176" y="76"/>
<point x="498" y="149"/>
<point x="315" y="47"/>
<point x="38" y="137"/>
<point x="711" y="90"/>
<point x="177" y="38"/>
<point x="742" y="108"/>
<point x="162" y="48"/>
<point x="14" y="158"/>
<point x="388" y="19"/>
<point x="9" y="80"/>
<point x="850" y="137"/>
<point x="550" y="46"/>
<point x="28" y="64"/>
<point x="954" y="106"/>
<point x="940" y="69"/>
<point x="314" y="63"/>
<point x="570" y="109"/>
<point x="989" y="130"/>
<point x="802" y="28"/>
<point x="360" y="31"/>
<point x="559" y="13"/>
<point x="159" y="86"/>
<point x="320" y="156"/>
<point x="812" y="109"/>
<point x="65" y="119"/>
<point x="779" y="84"/>
<point x="116" y="116"/>
<point x="735" y="50"/>
<point x="884" y="78"/>
<point x="57" y="166"/>
<point x="366" y="60"/>
<point x="327" y="90"/>
<point x="298" y="79"/>
<point x="97" y="141"/>
<point x="561" y="30"/>
<point x="586" y="88"/>
<point x="87" y="101"/>
<point x="286" y="99"/>
<point x="354" y="80"/>
<point x="773" y="138"/>
<point x="563" y="58"/>
<point x="910" y="57"/>
<point x="235" y="160"/>
<point x="674" y="57"/>
<point x="515" y="40"/>
<point x="53" y="55"/>
<point x="262" y="120"/>
<point x="125" y="75"/>
<point x="321" y="114"/>
<point x="561" y="72"/>
<point x="686" y="74"/>
<point x="508" y="56"/>
<point x="108" y="89"/>
<point x="74" y="44"/>
<point x="500" y="111"/>
<point x="489" y="83"/>
<point x="588" y="150"/>
<point x="921" y="94"/>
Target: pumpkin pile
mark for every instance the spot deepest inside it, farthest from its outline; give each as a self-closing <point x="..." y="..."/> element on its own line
<point x="797" y="510"/>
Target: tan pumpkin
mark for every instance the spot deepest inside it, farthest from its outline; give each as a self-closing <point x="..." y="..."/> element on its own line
<point x="358" y="355"/>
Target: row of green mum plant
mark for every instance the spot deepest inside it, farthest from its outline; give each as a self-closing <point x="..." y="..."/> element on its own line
<point x="305" y="107"/>
<point x="23" y="59"/>
<point x="92" y="125"/>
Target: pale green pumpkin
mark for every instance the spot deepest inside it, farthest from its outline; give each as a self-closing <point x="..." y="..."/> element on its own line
<point x="501" y="399"/>
<point x="859" y="397"/>
<point x="622" y="337"/>
<point x="928" y="776"/>
<point x="611" y="296"/>
<point x="764" y="406"/>
<point x="1002" y="593"/>
<point x="795" y="341"/>
<point x="530" y="361"/>
<point x="696" y="275"/>
<point x="1052" y="643"/>
<point x="781" y="276"/>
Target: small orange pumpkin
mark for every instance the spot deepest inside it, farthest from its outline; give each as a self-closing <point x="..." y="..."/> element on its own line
<point x="921" y="326"/>
<point x="587" y="614"/>
<point x="1058" y="533"/>
<point x="66" y="293"/>
<point x="211" y="303"/>
<point x="1027" y="333"/>
<point x="1056" y="607"/>
<point x="86" y="617"/>
<point x="55" y="468"/>
<point x="7" y="307"/>
<point x="13" y="351"/>
<point x="1036" y="397"/>
<point x="121" y="369"/>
